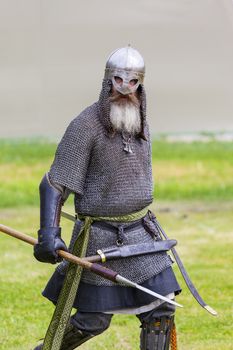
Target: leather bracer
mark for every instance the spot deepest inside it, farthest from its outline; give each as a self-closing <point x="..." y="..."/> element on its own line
<point x="49" y="235"/>
<point x="51" y="201"/>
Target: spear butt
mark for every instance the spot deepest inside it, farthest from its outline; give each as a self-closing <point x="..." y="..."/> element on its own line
<point x="28" y="239"/>
<point x="19" y="235"/>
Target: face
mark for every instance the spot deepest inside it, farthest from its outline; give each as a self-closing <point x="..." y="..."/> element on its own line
<point x="124" y="107"/>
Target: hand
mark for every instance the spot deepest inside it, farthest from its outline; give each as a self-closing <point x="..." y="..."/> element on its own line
<point x="49" y="241"/>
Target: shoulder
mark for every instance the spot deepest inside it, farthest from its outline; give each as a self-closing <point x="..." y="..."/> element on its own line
<point x="87" y="119"/>
<point x="83" y="127"/>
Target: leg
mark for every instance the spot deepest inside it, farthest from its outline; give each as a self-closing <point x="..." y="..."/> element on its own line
<point x="156" y="327"/>
<point x="82" y="327"/>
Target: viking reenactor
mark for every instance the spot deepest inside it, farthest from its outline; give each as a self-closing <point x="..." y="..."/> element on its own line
<point x="104" y="159"/>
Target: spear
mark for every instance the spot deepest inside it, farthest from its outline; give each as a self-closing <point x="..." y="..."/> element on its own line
<point x="96" y="268"/>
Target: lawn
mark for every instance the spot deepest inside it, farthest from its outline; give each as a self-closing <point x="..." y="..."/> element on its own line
<point x="193" y="202"/>
<point x="195" y="171"/>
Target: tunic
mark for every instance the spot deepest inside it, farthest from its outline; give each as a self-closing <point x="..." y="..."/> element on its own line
<point x="107" y="181"/>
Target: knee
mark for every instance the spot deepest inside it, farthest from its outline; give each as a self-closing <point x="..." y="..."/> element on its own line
<point x="165" y="309"/>
<point x="91" y="322"/>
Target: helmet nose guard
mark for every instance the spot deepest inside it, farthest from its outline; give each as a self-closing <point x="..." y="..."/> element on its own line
<point x="127" y="64"/>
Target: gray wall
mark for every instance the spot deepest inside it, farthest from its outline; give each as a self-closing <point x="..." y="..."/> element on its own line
<point x="53" y="52"/>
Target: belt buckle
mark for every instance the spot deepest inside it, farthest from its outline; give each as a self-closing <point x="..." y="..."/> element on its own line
<point x="119" y="242"/>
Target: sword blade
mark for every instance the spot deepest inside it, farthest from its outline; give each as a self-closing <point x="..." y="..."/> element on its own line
<point x="148" y="291"/>
<point x="129" y="283"/>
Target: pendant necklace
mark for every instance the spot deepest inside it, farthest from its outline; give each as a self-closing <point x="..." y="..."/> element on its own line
<point x="127" y="142"/>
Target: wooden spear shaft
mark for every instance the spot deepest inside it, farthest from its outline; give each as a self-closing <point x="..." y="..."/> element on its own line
<point x="28" y="239"/>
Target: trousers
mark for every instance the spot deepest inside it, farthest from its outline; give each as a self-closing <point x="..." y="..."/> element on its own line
<point x="97" y="322"/>
<point x="155" y="329"/>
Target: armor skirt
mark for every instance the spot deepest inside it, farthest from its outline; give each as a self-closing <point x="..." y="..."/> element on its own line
<point x="96" y="294"/>
<point x="92" y="298"/>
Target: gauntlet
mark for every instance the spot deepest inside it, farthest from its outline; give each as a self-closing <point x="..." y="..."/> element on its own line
<point x="49" y="235"/>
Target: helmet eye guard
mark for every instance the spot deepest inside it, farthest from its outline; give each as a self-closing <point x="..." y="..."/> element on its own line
<point x="125" y="85"/>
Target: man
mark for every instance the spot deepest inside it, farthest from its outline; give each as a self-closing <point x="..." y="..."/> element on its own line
<point x="104" y="158"/>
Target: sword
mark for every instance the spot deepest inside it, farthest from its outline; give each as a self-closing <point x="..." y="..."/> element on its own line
<point x="96" y="268"/>
<point x="184" y="273"/>
<point x="126" y="251"/>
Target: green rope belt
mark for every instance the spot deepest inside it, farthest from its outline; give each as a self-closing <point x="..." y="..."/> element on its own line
<point x="54" y="335"/>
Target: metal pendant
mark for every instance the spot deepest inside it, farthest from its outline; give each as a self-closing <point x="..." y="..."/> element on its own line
<point x="127" y="143"/>
<point x="127" y="147"/>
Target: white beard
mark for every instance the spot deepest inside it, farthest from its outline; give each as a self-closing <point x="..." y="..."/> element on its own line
<point x="125" y="117"/>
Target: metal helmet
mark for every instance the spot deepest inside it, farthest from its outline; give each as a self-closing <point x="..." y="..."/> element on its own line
<point x="125" y="67"/>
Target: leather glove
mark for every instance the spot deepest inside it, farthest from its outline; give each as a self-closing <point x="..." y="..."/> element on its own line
<point x="49" y="241"/>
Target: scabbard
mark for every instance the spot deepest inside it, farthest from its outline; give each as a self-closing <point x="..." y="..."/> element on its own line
<point x="126" y="251"/>
<point x="184" y="273"/>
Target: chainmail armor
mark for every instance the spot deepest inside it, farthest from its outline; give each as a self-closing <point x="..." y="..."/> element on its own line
<point x="91" y="162"/>
<point x="107" y="181"/>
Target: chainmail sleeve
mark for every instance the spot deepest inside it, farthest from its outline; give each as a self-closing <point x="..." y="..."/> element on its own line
<point x="72" y="157"/>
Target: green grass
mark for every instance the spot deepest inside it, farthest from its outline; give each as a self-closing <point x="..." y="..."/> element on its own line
<point x="200" y="171"/>
<point x="196" y="170"/>
<point x="22" y="165"/>
<point x="196" y="185"/>
<point x="204" y="234"/>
